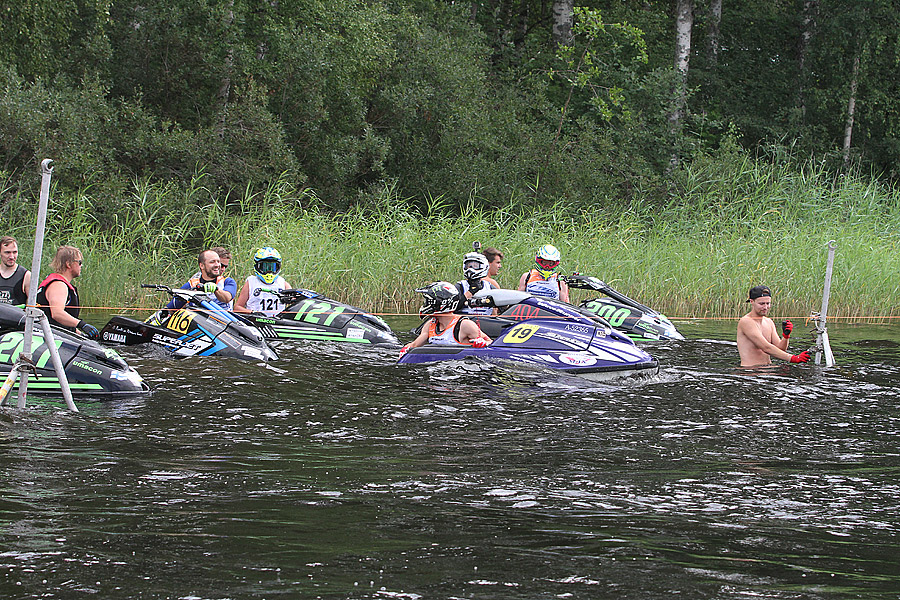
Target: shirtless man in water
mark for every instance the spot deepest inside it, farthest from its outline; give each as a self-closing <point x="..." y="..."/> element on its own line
<point x="757" y="339"/>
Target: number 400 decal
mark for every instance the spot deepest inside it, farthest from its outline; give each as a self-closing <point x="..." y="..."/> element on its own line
<point x="609" y="312"/>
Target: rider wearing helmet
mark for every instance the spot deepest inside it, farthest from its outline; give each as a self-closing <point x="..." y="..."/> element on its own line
<point x="543" y="280"/>
<point x="475" y="270"/>
<point x="259" y="294"/>
<point x="439" y="300"/>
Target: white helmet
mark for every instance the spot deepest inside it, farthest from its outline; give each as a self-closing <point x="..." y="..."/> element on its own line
<point x="547" y="258"/>
<point x="475" y="266"/>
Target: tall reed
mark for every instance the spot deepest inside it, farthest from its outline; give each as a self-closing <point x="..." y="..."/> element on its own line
<point x="731" y="227"/>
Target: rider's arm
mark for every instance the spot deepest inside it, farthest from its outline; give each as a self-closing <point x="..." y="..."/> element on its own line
<point x="422" y="338"/>
<point x="749" y="329"/>
<point x="522" y="282"/>
<point x="57" y="294"/>
<point x="469" y="331"/>
<point x="227" y="291"/>
<point x="26" y="282"/>
<point x="563" y="291"/>
<point x="240" y="305"/>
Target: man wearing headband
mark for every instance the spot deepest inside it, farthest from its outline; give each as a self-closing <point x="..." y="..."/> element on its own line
<point x="757" y="339"/>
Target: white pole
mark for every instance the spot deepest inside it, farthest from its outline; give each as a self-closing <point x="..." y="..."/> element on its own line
<point x="823" y="346"/>
<point x="31" y="310"/>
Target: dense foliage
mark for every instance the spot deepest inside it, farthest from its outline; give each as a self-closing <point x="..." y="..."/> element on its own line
<point x="439" y="101"/>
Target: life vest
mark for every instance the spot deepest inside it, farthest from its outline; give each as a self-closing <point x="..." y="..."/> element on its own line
<point x="539" y="286"/>
<point x="73" y="306"/>
<point x="195" y="281"/>
<point x="262" y="297"/>
<point x="447" y="337"/>
<point x="463" y="287"/>
<point x="11" y="291"/>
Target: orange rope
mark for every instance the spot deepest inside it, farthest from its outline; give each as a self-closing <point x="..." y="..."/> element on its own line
<point x="859" y="318"/>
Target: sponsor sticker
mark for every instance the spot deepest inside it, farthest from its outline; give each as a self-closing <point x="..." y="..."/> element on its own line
<point x="114" y="337"/>
<point x="253" y="352"/>
<point x="356" y="334"/>
<point x="577" y="360"/>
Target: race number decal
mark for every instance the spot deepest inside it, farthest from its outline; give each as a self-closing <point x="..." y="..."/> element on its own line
<point x="12" y="344"/>
<point x="609" y="312"/>
<point x="317" y="312"/>
<point x="520" y="333"/>
<point x="180" y="322"/>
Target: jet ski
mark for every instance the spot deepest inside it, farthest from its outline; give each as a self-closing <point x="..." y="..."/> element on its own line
<point x="592" y="350"/>
<point x="639" y="322"/>
<point x="312" y="316"/>
<point x="91" y="369"/>
<point x="200" y="328"/>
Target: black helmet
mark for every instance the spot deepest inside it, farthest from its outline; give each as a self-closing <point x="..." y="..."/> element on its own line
<point x="439" y="297"/>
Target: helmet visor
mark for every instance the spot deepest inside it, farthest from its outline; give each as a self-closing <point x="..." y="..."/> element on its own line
<point x="268" y="266"/>
<point x="545" y="264"/>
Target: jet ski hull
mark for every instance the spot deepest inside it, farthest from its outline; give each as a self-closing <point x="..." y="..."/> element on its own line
<point x="91" y="369"/>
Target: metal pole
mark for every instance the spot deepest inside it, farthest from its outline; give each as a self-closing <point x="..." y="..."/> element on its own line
<point x="823" y="346"/>
<point x="31" y="310"/>
<point x="57" y="363"/>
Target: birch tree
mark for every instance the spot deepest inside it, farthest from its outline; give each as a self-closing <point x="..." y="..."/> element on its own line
<point x="684" y="22"/>
<point x="563" y="18"/>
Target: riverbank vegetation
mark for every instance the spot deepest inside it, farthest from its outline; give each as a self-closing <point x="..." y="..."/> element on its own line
<point x="742" y="223"/>
<point x="679" y="149"/>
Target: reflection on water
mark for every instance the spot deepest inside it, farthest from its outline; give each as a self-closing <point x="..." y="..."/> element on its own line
<point x="336" y="473"/>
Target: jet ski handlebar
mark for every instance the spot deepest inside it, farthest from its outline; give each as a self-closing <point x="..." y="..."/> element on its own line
<point x="183" y="294"/>
<point x="584" y="282"/>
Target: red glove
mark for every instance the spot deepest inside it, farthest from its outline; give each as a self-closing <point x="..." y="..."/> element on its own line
<point x="480" y="342"/>
<point x="801" y="358"/>
<point x="403" y="350"/>
<point x="786" y="328"/>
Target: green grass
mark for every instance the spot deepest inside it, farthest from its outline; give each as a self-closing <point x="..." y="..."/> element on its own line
<point x="735" y="224"/>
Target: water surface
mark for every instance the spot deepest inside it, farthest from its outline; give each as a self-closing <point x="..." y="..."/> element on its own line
<point x="335" y="473"/>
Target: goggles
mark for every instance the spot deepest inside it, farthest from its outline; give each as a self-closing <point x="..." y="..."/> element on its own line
<point x="268" y="266"/>
<point x="547" y="265"/>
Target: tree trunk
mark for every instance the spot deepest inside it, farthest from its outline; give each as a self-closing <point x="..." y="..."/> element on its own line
<point x="563" y="18"/>
<point x="807" y="29"/>
<point x="851" y="104"/>
<point x="225" y="87"/>
<point x="712" y="34"/>
<point x="684" y="23"/>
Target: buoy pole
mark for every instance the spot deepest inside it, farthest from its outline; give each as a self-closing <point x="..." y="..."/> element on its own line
<point x="33" y="313"/>
<point x="823" y="346"/>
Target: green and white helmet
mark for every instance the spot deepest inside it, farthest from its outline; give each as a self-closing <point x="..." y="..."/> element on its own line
<point x="267" y="264"/>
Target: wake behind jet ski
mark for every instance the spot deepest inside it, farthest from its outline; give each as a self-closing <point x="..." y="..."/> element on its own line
<point x="199" y="328"/>
<point x="588" y="347"/>
<point x="639" y="322"/>
<point x="91" y="369"/>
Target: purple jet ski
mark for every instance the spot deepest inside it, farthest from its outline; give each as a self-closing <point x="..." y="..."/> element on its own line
<point x="590" y="348"/>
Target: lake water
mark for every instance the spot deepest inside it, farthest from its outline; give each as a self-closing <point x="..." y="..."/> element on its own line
<point x="334" y="473"/>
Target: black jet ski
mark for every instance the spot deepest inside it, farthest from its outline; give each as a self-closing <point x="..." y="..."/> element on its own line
<point x="312" y="316"/>
<point x="591" y="350"/>
<point x="641" y="323"/>
<point x="200" y="328"/>
<point x="91" y="369"/>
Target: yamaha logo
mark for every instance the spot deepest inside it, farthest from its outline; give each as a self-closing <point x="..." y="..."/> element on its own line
<point x="114" y="337"/>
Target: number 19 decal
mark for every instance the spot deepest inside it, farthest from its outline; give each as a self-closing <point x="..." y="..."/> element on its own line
<point x="520" y="333"/>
